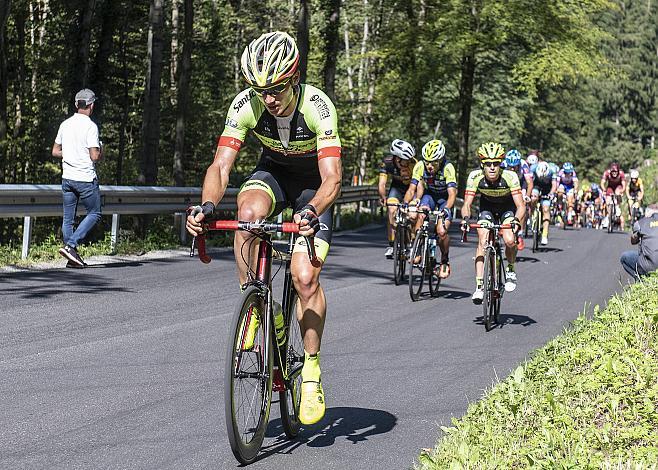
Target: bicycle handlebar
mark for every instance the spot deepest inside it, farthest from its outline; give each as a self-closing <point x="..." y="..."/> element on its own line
<point x="487" y="226"/>
<point x="258" y="226"/>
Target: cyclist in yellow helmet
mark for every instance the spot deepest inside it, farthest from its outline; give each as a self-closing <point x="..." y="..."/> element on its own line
<point x="299" y="167"/>
<point x="501" y="201"/>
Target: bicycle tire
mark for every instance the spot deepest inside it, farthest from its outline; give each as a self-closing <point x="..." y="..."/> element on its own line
<point x="611" y="217"/>
<point x="433" y="279"/>
<point x="499" y="287"/>
<point x="246" y="442"/>
<point x="417" y="271"/>
<point x="293" y="359"/>
<point x="489" y="286"/>
<point x="536" y="230"/>
<point x="398" y="255"/>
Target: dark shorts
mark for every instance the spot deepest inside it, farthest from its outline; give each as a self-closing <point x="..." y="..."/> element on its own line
<point x="433" y="202"/>
<point x="294" y="192"/>
<point x="395" y="195"/>
<point x="497" y="213"/>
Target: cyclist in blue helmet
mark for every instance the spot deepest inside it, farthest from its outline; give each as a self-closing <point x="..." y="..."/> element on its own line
<point x="568" y="184"/>
<point x="515" y="162"/>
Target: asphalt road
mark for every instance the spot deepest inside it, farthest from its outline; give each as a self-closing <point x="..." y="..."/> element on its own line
<point x="121" y="365"/>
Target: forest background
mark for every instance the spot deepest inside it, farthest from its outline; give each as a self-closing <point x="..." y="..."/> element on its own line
<point x="574" y="79"/>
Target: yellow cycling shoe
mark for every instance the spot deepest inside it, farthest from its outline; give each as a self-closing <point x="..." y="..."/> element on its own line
<point x="311" y="406"/>
<point x="252" y="328"/>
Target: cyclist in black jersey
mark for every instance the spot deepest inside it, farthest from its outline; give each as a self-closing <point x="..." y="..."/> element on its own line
<point x="397" y="166"/>
<point x="300" y="167"/>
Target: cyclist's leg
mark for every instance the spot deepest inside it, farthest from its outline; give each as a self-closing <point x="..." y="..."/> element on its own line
<point x="619" y="194"/>
<point x="395" y="196"/>
<point x="444" y="240"/>
<point x="259" y="197"/>
<point x="506" y="217"/>
<point x="546" y="217"/>
<point x="483" y="234"/>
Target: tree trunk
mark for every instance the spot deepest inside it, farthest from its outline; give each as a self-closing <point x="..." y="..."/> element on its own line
<point x="183" y="94"/>
<point x="124" y="103"/>
<point x="79" y="66"/>
<point x="465" y="103"/>
<point x="16" y="145"/>
<point x="173" y="61"/>
<point x="151" y="120"/>
<point x="99" y="72"/>
<point x="331" y="10"/>
<point x="303" y="20"/>
<point x="4" y="83"/>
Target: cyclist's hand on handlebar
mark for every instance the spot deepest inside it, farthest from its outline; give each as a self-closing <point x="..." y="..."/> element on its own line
<point x="445" y="213"/>
<point x="307" y="218"/>
<point x="464" y="226"/>
<point x="526" y="198"/>
<point x="196" y="215"/>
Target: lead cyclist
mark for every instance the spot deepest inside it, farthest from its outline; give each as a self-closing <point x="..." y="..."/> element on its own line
<point x="299" y="167"/>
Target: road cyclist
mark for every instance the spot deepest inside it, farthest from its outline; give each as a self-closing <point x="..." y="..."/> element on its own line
<point x="543" y="192"/>
<point x="434" y="186"/>
<point x="613" y="182"/>
<point x="501" y="202"/>
<point x="397" y="167"/>
<point x="514" y="162"/>
<point x="567" y="181"/>
<point x="299" y="167"/>
<point x="635" y="194"/>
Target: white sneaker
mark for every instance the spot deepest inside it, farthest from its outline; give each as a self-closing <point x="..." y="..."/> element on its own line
<point x="389" y="252"/>
<point x="478" y="296"/>
<point x="510" y="281"/>
<point x="544" y="240"/>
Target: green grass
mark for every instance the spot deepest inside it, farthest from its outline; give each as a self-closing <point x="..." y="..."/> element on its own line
<point x="588" y="399"/>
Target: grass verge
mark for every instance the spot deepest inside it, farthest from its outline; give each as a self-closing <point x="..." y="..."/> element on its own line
<point x="587" y="399"/>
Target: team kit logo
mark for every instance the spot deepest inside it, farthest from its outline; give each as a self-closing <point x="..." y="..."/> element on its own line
<point x="321" y="106"/>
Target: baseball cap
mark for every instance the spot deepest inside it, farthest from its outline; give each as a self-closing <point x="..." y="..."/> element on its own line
<point x="85" y="95"/>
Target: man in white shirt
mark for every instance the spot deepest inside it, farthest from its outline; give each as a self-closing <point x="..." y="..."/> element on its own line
<point x="78" y="146"/>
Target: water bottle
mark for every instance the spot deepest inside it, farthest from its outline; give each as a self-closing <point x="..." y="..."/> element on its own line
<point x="433" y="247"/>
<point x="279" y="324"/>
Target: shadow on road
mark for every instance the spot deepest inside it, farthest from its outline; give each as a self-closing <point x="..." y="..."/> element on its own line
<point x="505" y="319"/>
<point x="50" y="283"/>
<point x="353" y="424"/>
<point x="548" y="249"/>
<point x="527" y="259"/>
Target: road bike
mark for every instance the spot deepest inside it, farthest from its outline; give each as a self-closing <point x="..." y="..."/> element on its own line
<point x="636" y="210"/>
<point x="494" y="276"/>
<point x="424" y="250"/>
<point x="538" y="222"/>
<point x="401" y="242"/>
<point x="614" y="212"/>
<point x="274" y="362"/>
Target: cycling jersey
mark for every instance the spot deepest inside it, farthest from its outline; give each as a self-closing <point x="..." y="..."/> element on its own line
<point x="635" y="188"/>
<point x="400" y="176"/>
<point x="311" y="131"/>
<point x="613" y="183"/>
<point x="499" y="192"/>
<point x="521" y="171"/>
<point x="436" y="184"/>
<point x="567" y="179"/>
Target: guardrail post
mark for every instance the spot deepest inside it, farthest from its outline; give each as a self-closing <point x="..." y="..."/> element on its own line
<point x="114" y="236"/>
<point x="27" y="235"/>
<point x="183" y="231"/>
<point x="337" y="216"/>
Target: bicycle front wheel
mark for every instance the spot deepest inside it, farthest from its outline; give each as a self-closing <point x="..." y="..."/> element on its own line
<point x="293" y="361"/>
<point x="417" y="262"/>
<point x="248" y="383"/>
<point x="536" y="230"/>
<point x="399" y="246"/>
<point x="489" y="301"/>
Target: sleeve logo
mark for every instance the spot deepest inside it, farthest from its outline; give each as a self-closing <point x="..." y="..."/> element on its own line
<point x="321" y="106"/>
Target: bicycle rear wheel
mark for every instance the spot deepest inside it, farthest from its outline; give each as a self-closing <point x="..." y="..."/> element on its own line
<point x="293" y="361"/>
<point x="536" y="230"/>
<point x="433" y="279"/>
<point x="611" y="217"/>
<point x="417" y="270"/>
<point x="399" y="245"/>
<point x="489" y="301"/>
<point x="499" y="287"/>
<point x="248" y="383"/>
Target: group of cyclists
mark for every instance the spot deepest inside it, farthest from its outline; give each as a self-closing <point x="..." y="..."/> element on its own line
<point x="510" y="189"/>
<point x="300" y="167"/>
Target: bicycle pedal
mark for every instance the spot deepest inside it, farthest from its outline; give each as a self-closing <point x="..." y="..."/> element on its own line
<point x="278" y="385"/>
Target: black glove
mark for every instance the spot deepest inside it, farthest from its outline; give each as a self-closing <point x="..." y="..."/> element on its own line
<point x="207" y="209"/>
<point x="516" y="225"/>
<point x="309" y="213"/>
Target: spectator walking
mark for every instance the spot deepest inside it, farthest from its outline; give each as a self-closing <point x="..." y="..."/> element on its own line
<point x="78" y="146"/>
<point x="645" y="232"/>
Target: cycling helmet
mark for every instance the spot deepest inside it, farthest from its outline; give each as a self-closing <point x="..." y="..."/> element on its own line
<point x="434" y="150"/>
<point x="567" y="167"/>
<point x="542" y="170"/>
<point x="513" y="158"/>
<point x="403" y="149"/>
<point x="594" y="187"/>
<point x="635" y="174"/>
<point x="491" y="151"/>
<point x="269" y="59"/>
<point x="614" y="166"/>
<point x="532" y="159"/>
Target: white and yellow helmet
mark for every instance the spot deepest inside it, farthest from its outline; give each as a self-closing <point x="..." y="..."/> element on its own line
<point x="269" y="59"/>
<point x="433" y="150"/>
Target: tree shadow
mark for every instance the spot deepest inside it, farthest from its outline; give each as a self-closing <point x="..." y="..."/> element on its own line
<point x="527" y="259"/>
<point x="453" y="294"/>
<point x="353" y="424"/>
<point x="548" y="249"/>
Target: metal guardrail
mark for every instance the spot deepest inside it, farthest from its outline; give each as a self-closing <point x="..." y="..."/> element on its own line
<point x="29" y="201"/>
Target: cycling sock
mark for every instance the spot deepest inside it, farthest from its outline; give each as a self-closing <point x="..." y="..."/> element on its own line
<point x="311" y="369"/>
<point x="544" y="232"/>
<point x="479" y="282"/>
<point x="510" y="267"/>
<point x="390" y="243"/>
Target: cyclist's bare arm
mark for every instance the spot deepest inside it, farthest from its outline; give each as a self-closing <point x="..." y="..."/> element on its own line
<point x="520" y="205"/>
<point x="530" y="182"/>
<point x="452" y="195"/>
<point x="466" y="207"/>
<point x="383" y="178"/>
<point x="214" y="184"/>
<point x="409" y="195"/>
<point x="604" y="184"/>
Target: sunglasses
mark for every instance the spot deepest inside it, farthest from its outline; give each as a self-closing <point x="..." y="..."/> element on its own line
<point x="491" y="163"/>
<point x="272" y="90"/>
